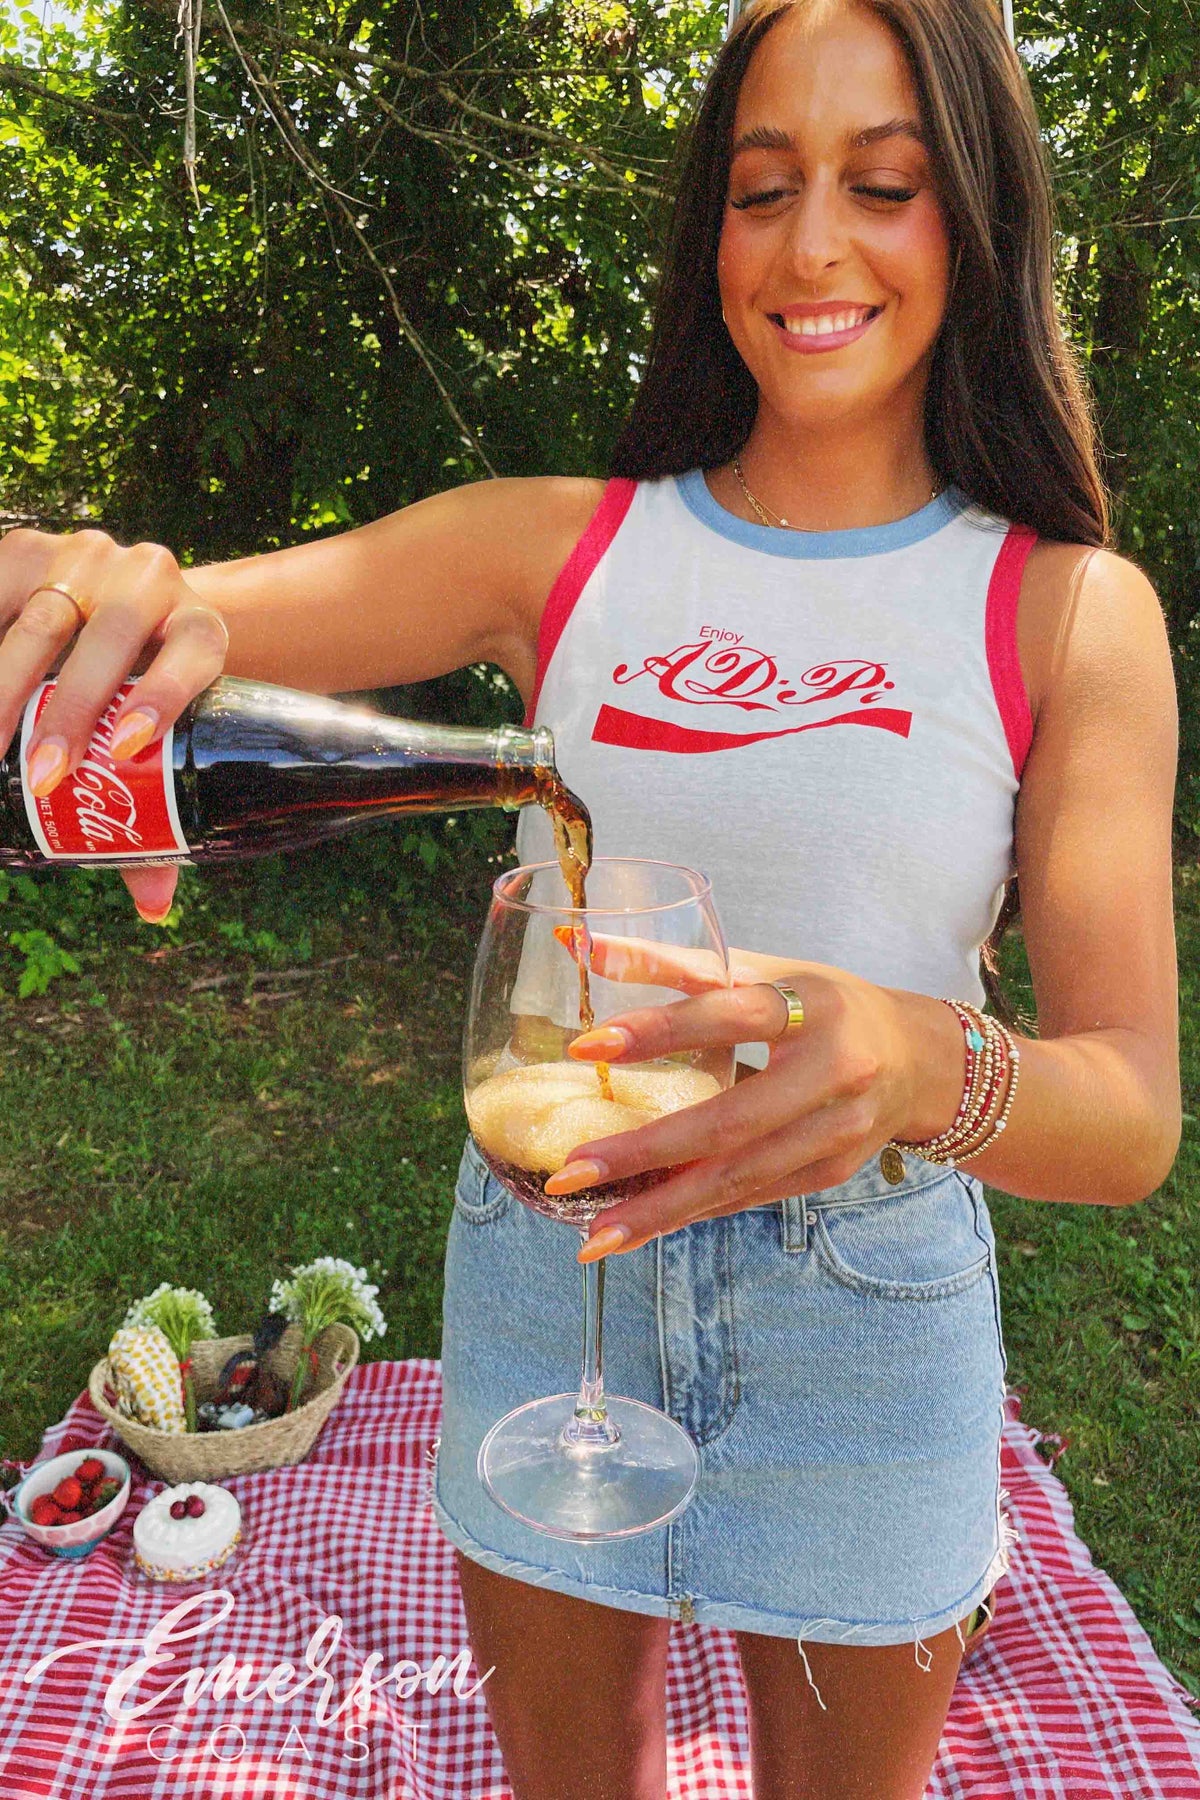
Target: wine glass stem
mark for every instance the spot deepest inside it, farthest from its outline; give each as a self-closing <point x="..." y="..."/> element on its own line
<point x="591" y="1423"/>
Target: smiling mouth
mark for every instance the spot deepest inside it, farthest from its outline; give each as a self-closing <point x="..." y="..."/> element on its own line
<point x="829" y="324"/>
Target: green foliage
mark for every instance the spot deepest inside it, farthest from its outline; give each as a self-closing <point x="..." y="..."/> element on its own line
<point x="461" y="199"/>
<point x="45" y="961"/>
<point x="1117" y="92"/>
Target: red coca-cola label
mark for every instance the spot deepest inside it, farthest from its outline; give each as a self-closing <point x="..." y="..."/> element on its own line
<point x="107" y="811"/>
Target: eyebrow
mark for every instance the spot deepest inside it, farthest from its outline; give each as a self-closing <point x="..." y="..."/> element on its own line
<point x="769" y="137"/>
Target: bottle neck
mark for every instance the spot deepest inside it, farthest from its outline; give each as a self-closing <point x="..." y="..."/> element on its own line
<point x="525" y="757"/>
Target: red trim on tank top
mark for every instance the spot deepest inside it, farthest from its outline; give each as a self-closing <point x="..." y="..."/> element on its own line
<point x="1000" y="636"/>
<point x="575" y="574"/>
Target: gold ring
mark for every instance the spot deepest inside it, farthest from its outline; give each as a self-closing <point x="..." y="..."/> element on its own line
<point x="795" y="1006"/>
<point x="60" y="587"/>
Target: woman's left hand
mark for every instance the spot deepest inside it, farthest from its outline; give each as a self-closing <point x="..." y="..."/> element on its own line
<point x="835" y="1091"/>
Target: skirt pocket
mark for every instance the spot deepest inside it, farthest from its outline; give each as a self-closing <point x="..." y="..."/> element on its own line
<point x="922" y="1244"/>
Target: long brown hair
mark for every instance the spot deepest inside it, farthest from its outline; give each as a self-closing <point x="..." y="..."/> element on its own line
<point x="1007" y="415"/>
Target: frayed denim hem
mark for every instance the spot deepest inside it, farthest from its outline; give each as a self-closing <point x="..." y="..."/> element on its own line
<point x="729" y="1615"/>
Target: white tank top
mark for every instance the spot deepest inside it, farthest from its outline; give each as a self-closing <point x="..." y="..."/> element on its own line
<point x="830" y="725"/>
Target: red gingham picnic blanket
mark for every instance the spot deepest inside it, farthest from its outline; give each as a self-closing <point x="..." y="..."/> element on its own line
<point x="1066" y="1699"/>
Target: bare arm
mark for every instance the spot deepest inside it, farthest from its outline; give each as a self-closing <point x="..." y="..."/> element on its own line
<point x="1097" y="1116"/>
<point x="459" y="578"/>
<point x="455" y="579"/>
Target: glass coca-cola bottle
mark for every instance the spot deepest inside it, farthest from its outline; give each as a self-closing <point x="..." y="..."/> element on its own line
<point x="249" y="768"/>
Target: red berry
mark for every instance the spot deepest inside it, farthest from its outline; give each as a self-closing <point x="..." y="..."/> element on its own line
<point x="195" y="1506"/>
<point x="90" y="1469"/>
<point x="107" y="1490"/>
<point x="179" y="1509"/>
<point x="70" y="1518"/>
<point x="68" y="1493"/>
<point x="44" y="1512"/>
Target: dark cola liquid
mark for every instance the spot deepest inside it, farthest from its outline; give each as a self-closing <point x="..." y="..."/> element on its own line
<point x="573" y="843"/>
<point x="272" y="770"/>
<point x="570" y="1209"/>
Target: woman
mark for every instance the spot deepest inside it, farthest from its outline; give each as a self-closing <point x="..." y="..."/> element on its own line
<point x="888" y="514"/>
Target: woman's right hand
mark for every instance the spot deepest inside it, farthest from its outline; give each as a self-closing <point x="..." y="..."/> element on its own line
<point x="135" y="609"/>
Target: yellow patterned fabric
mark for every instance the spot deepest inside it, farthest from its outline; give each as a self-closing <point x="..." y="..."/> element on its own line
<point x="146" y="1371"/>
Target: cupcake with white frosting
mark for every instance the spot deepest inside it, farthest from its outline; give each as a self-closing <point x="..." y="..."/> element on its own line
<point x="187" y="1531"/>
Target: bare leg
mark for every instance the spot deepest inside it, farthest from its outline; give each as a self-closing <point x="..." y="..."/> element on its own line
<point x="578" y="1698"/>
<point x="876" y="1739"/>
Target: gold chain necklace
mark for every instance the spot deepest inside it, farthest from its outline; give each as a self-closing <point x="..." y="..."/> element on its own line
<point x="769" y="518"/>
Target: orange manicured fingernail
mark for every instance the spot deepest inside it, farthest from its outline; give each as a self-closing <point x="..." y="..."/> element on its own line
<point x="574" y="1176"/>
<point x="46" y="767"/>
<point x="609" y="1237"/>
<point x="133" y="733"/>
<point x="602" y="1044"/>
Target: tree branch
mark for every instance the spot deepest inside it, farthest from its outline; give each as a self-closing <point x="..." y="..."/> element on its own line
<point x="242" y="30"/>
<point x="269" y="97"/>
<point x="18" y="78"/>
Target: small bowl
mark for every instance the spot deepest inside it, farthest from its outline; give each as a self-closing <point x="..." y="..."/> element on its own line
<point x="80" y="1538"/>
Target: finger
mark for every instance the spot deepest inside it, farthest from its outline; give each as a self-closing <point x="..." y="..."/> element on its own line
<point x="146" y="581"/>
<point x="153" y="889"/>
<point x="688" y="971"/>
<point x="25" y="559"/>
<point x="33" y="616"/>
<point x="32" y="645"/>
<point x="827" y="1151"/>
<point x="721" y="1127"/>
<point x="195" y="641"/>
<point x="705" y="1022"/>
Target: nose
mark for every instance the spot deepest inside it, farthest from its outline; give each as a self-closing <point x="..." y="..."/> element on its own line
<point x="816" y="239"/>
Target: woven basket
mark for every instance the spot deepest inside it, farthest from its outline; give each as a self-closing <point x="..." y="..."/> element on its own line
<point x="216" y="1455"/>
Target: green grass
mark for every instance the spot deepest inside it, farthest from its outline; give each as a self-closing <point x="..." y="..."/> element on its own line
<point x="277" y="1078"/>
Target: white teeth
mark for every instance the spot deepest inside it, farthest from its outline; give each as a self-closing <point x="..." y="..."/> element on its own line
<point x="825" y="324"/>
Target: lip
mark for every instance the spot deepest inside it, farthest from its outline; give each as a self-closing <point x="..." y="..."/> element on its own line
<point x="829" y="340"/>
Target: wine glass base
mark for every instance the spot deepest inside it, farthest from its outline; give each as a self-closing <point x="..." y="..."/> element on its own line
<point x="583" y="1491"/>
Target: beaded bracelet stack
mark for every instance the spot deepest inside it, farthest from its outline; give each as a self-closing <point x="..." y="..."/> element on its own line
<point x="989" y="1088"/>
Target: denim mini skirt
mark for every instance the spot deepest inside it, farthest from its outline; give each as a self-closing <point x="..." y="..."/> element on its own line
<point x="838" y="1361"/>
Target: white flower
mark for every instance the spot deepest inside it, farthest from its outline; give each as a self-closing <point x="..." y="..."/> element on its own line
<point x="326" y="1289"/>
<point x="183" y="1314"/>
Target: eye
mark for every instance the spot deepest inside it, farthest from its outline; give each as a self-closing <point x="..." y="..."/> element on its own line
<point x="894" y="194"/>
<point x="763" y="198"/>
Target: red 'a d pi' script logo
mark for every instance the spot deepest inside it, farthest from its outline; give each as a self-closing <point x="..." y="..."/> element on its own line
<point x="748" y="680"/>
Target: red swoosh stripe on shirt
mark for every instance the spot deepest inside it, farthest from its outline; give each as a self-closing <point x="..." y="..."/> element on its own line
<point x="631" y="731"/>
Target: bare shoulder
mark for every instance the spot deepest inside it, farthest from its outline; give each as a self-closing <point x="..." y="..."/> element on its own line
<point x="1088" y="618"/>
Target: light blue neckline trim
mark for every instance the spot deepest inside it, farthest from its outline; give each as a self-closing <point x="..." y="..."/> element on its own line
<point x="857" y="540"/>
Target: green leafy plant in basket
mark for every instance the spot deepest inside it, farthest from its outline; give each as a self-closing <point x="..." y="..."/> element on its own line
<point x="319" y="1294"/>
<point x="182" y="1315"/>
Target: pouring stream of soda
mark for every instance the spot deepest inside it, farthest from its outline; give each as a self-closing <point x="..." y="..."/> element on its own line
<point x="573" y="842"/>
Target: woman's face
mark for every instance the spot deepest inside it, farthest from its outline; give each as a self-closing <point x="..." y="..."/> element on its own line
<point x="834" y="255"/>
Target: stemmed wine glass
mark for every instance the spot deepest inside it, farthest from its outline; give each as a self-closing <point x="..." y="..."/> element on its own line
<point x="585" y="1465"/>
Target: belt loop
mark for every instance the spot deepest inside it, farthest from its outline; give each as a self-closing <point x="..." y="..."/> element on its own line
<point x="794" y="1222"/>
